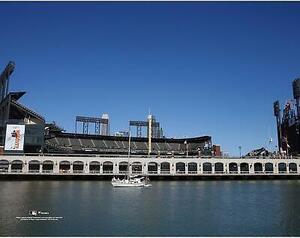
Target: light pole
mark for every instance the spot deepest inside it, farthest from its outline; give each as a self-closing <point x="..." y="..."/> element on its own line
<point x="187" y="148"/>
<point x="240" y="148"/>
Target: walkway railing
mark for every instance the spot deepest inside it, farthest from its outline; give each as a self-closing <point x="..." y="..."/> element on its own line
<point x="244" y="172"/>
<point x="152" y="172"/>
<point x="192" y="172"/>
<point x="282" y="172"/>
<point x="180" y="172"/>
<point x="219" y="172"/>
<point x="165" y="172"/>
<point x="108" y="171"/>
<point x="78" y="171"/>
<point x="207" y="172"/>
<point x="16" y="170"/>
<point x="95" y="171"/>
<point x="233" y="172"/>
<point x="47" y="171"/>
<point x="33" y="171"/>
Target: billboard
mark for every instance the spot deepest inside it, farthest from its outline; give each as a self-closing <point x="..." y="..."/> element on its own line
<point x="14" y="139"/>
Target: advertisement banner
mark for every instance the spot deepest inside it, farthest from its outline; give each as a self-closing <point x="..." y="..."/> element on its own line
<point x="14" y="139"/>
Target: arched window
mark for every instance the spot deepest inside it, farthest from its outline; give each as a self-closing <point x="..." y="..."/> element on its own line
<point x="244" y="167"/>
<point x="207" y="168"/>
<point x="16" y="166"/>
<point x="219" y="168"/>
<point x="94" y="167"/>
<point x="64" y="167"/>
<point x="192" y="168"/>
<point x="165" y="168"/>
<point x="34" y="166"/>
<point x="233" y="168"/>
<point x="4" y="164"/>
<point x="47" y="166"/>
<point x="292" y="168"/>
<point x="78" y="167"/>
<point x="269" y="168"/>
<point x="282" y="167"/>
<point x="180" y="168"/>
<point x="152" y="168"/>
<point x="136" y="168"/>
<point x="108" y="167"/>
<point x="258" y="168"/>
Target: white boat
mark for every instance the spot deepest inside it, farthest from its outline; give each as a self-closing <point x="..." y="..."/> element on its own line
<point x="130" y="181"/>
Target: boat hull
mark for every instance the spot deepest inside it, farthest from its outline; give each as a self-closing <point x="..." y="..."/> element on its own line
<point x="118" y="184"/>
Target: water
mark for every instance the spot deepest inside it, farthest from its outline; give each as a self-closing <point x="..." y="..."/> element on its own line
<point x="176" y="208"/>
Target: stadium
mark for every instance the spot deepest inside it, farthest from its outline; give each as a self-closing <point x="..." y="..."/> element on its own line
<point x="30" y="146"/>
<point x="43" y="137"/>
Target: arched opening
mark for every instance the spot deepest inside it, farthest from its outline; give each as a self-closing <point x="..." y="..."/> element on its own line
<point x="207" y="168"/>
<point x="180" y="168"/>
<point x="34" y="166"/>
<point x="165" y="168"/>
<point x="244" y="167"/>
<point x="16" y="166"/>
<point x="233" y="168"/>
<point x="258" y="168"/>
<point x="292" y="168"/>
<point x="269" y="168"/>
<point x="64" y="167"/>
<point x="47" y="166"/>
<point x="136" y="168"/>
<point x="282" y="168"/>
<point x="219" y="168"/>
<point x="4" y="164"/>
<point x="94" y="167"/>
<point x="152" y="168"/>
<point x="123" y="167"/>
<point x="192" y="168"/>
<point x="108" y="167"/>
<point x="78" y="167"/>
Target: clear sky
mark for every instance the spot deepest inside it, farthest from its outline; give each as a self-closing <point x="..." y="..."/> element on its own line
<point x="203" y="68"/>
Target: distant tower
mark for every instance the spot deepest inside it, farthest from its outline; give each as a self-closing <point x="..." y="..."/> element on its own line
<point x="105" y="130"/>
<point x="296" y="92"/>
<point x="276" y="106"/>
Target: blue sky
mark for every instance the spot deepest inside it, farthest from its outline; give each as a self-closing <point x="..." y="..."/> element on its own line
<point x="203" y="68"/>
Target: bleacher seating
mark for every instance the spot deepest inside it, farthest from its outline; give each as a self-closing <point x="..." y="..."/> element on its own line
<point x="87" y="143"/>
<point x="77" y="143"/>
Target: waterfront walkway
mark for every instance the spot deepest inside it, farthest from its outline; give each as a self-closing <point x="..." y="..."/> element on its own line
<point x="150" y="166"/>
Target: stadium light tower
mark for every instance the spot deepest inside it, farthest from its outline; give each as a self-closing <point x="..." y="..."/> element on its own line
<point x="4" y="79"/>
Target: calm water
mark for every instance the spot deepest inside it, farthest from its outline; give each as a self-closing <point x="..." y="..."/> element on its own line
<point x="177" y="208"/>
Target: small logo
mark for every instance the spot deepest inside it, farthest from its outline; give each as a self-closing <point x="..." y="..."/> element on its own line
<point x="33" y="213"/>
